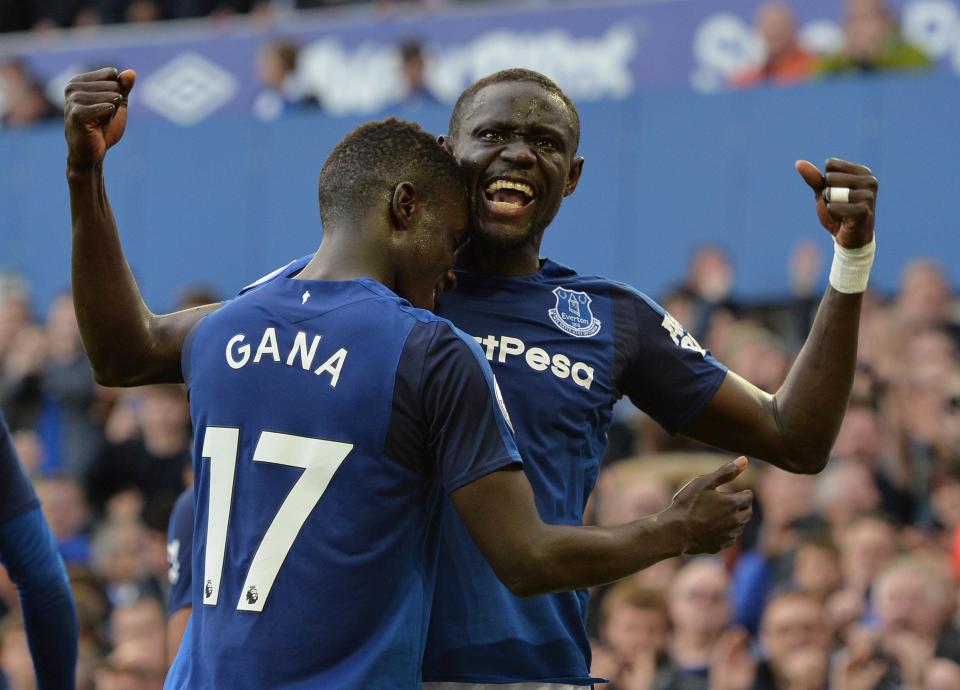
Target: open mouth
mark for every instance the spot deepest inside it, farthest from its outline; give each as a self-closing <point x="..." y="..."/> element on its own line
<point x="509" y="196"/>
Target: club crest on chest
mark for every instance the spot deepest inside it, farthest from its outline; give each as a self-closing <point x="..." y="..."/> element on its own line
<point x="572" y="313"/>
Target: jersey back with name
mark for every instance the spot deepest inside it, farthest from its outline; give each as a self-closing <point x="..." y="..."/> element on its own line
<point x="318" y="485"/>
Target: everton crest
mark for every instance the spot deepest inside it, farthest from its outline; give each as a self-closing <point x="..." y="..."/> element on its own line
<point x="572" y="314"/>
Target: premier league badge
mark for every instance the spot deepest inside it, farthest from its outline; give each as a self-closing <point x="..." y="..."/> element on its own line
<point x="572" y="314"/>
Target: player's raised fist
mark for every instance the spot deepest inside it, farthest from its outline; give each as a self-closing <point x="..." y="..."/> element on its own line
<point x="95" y="114"/>
<point x="846" y="195"/>
<point x="708" y="519"/>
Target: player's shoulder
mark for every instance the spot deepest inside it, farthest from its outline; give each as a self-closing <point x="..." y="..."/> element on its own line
<point x="288" y="269"/>
<point x="433" y="332"/>
<point x="183" y="507"/>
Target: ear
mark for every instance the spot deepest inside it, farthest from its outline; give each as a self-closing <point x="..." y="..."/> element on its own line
<point x="573" y="177"/>
<point x="404" y="205"/>
<point x="445" y="141"/>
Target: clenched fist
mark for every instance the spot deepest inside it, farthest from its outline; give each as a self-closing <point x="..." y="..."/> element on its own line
<point x="95" y="114"/>
<point x="850" y="221"/>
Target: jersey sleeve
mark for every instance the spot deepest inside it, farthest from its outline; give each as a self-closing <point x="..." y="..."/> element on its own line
<point x="447" y="408"/>
<point x="29" y="553"/>
<point x="16" y="492"/>
<point x="179" y="550"/>
<point x="659" y="365"/>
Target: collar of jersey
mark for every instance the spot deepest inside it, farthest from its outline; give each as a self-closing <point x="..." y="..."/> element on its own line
<point x="549" y="271"/>
<point x="296" y="284"/>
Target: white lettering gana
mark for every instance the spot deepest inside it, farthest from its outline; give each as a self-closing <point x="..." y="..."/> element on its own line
<point x="333" y="366"/>
<point x="242" y="350"/>
<point x="299" y="354"/>
<point x="560" y="365"/>
<point x="268" y="345"/>
<point x="300" y="347"/>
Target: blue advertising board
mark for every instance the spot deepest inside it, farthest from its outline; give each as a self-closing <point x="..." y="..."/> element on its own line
<point x="596" y="51"/>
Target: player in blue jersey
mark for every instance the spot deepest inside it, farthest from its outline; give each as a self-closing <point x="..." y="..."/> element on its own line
<point x="516" y="134"/>
<point x="179" y="571"/>
<point x="29" y="553"/>
<point x="331" y="419"/>
<point x="565" y="347"/>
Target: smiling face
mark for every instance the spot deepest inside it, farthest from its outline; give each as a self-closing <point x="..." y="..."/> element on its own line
<point x="516" y="142"/>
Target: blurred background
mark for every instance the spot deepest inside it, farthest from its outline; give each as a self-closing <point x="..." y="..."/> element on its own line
<point x="693" y="114"/>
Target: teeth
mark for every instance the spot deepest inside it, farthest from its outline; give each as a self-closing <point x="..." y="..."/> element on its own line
<point x="505" y="204"/>
<point x="509" y="184"/>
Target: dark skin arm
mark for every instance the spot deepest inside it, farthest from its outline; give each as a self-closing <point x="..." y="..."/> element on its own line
<point x="128" y="345"/>
<point x="795" y="427"/>
<point x="176" y="626"/>
<point x="531" y="557"/>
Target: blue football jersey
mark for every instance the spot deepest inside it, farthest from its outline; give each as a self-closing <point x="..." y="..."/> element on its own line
<point x="179" y="550"/>
<point x="330" y="420"/>
<point x="564" y="348"/>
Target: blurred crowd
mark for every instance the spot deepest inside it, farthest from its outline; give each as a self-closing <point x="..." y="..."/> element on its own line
<point x="872" y="41"/>
<point x="45" y="15"/>
<point x="107" y="465"/>
<point x="25" y="101"/>
<point x="845" y="580"/>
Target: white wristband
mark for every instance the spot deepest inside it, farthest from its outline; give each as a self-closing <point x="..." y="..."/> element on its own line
<point x="851" y="267"/>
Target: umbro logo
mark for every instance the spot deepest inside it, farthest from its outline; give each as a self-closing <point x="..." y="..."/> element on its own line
<point x="188" y="89"/>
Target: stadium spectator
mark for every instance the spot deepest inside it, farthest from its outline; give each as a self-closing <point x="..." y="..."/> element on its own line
<point x="924" y="298"/>
<point x="872" y="42"/>
<point x="785" y="61"/>
<point x="46" y="384"/>
<point x="795" y="643"/>
<point x="26" y="102"/>
<point x="861" y="440"/>
<point x="65" y="507"/>
<point x="413" y="72"/>
<point x="914" y="601"/>
<point x="785" y="501"/>
<point x="869" y="543"/>
<point x="709" y="285"/>
<point x="282" y="93"/>
<point x="700" y="613"/>
<point x="635" y="627"/>
<point x="155" y="464"/>
<point x="816" y="568"/>
<point x="16" y="666"/>
<point x="760" y="355"/>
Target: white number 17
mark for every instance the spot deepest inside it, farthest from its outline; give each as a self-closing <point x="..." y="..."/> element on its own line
<point x="318" y="458"/>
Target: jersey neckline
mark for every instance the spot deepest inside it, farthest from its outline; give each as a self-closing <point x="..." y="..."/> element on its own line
<point x="549" y="270"/>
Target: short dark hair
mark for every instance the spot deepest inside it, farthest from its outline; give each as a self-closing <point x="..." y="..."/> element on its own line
<point x="633" y="595"/>
<point x="377" y="156"/>
<point x="515" y="74"/>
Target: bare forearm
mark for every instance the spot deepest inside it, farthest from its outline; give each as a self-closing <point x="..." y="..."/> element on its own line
<point x="810" y="405"/>
<point x="794" y="428"/>
<point x="113" y="319"/>
<point x="566" y="558"/>
<point x="128" y="345"/>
